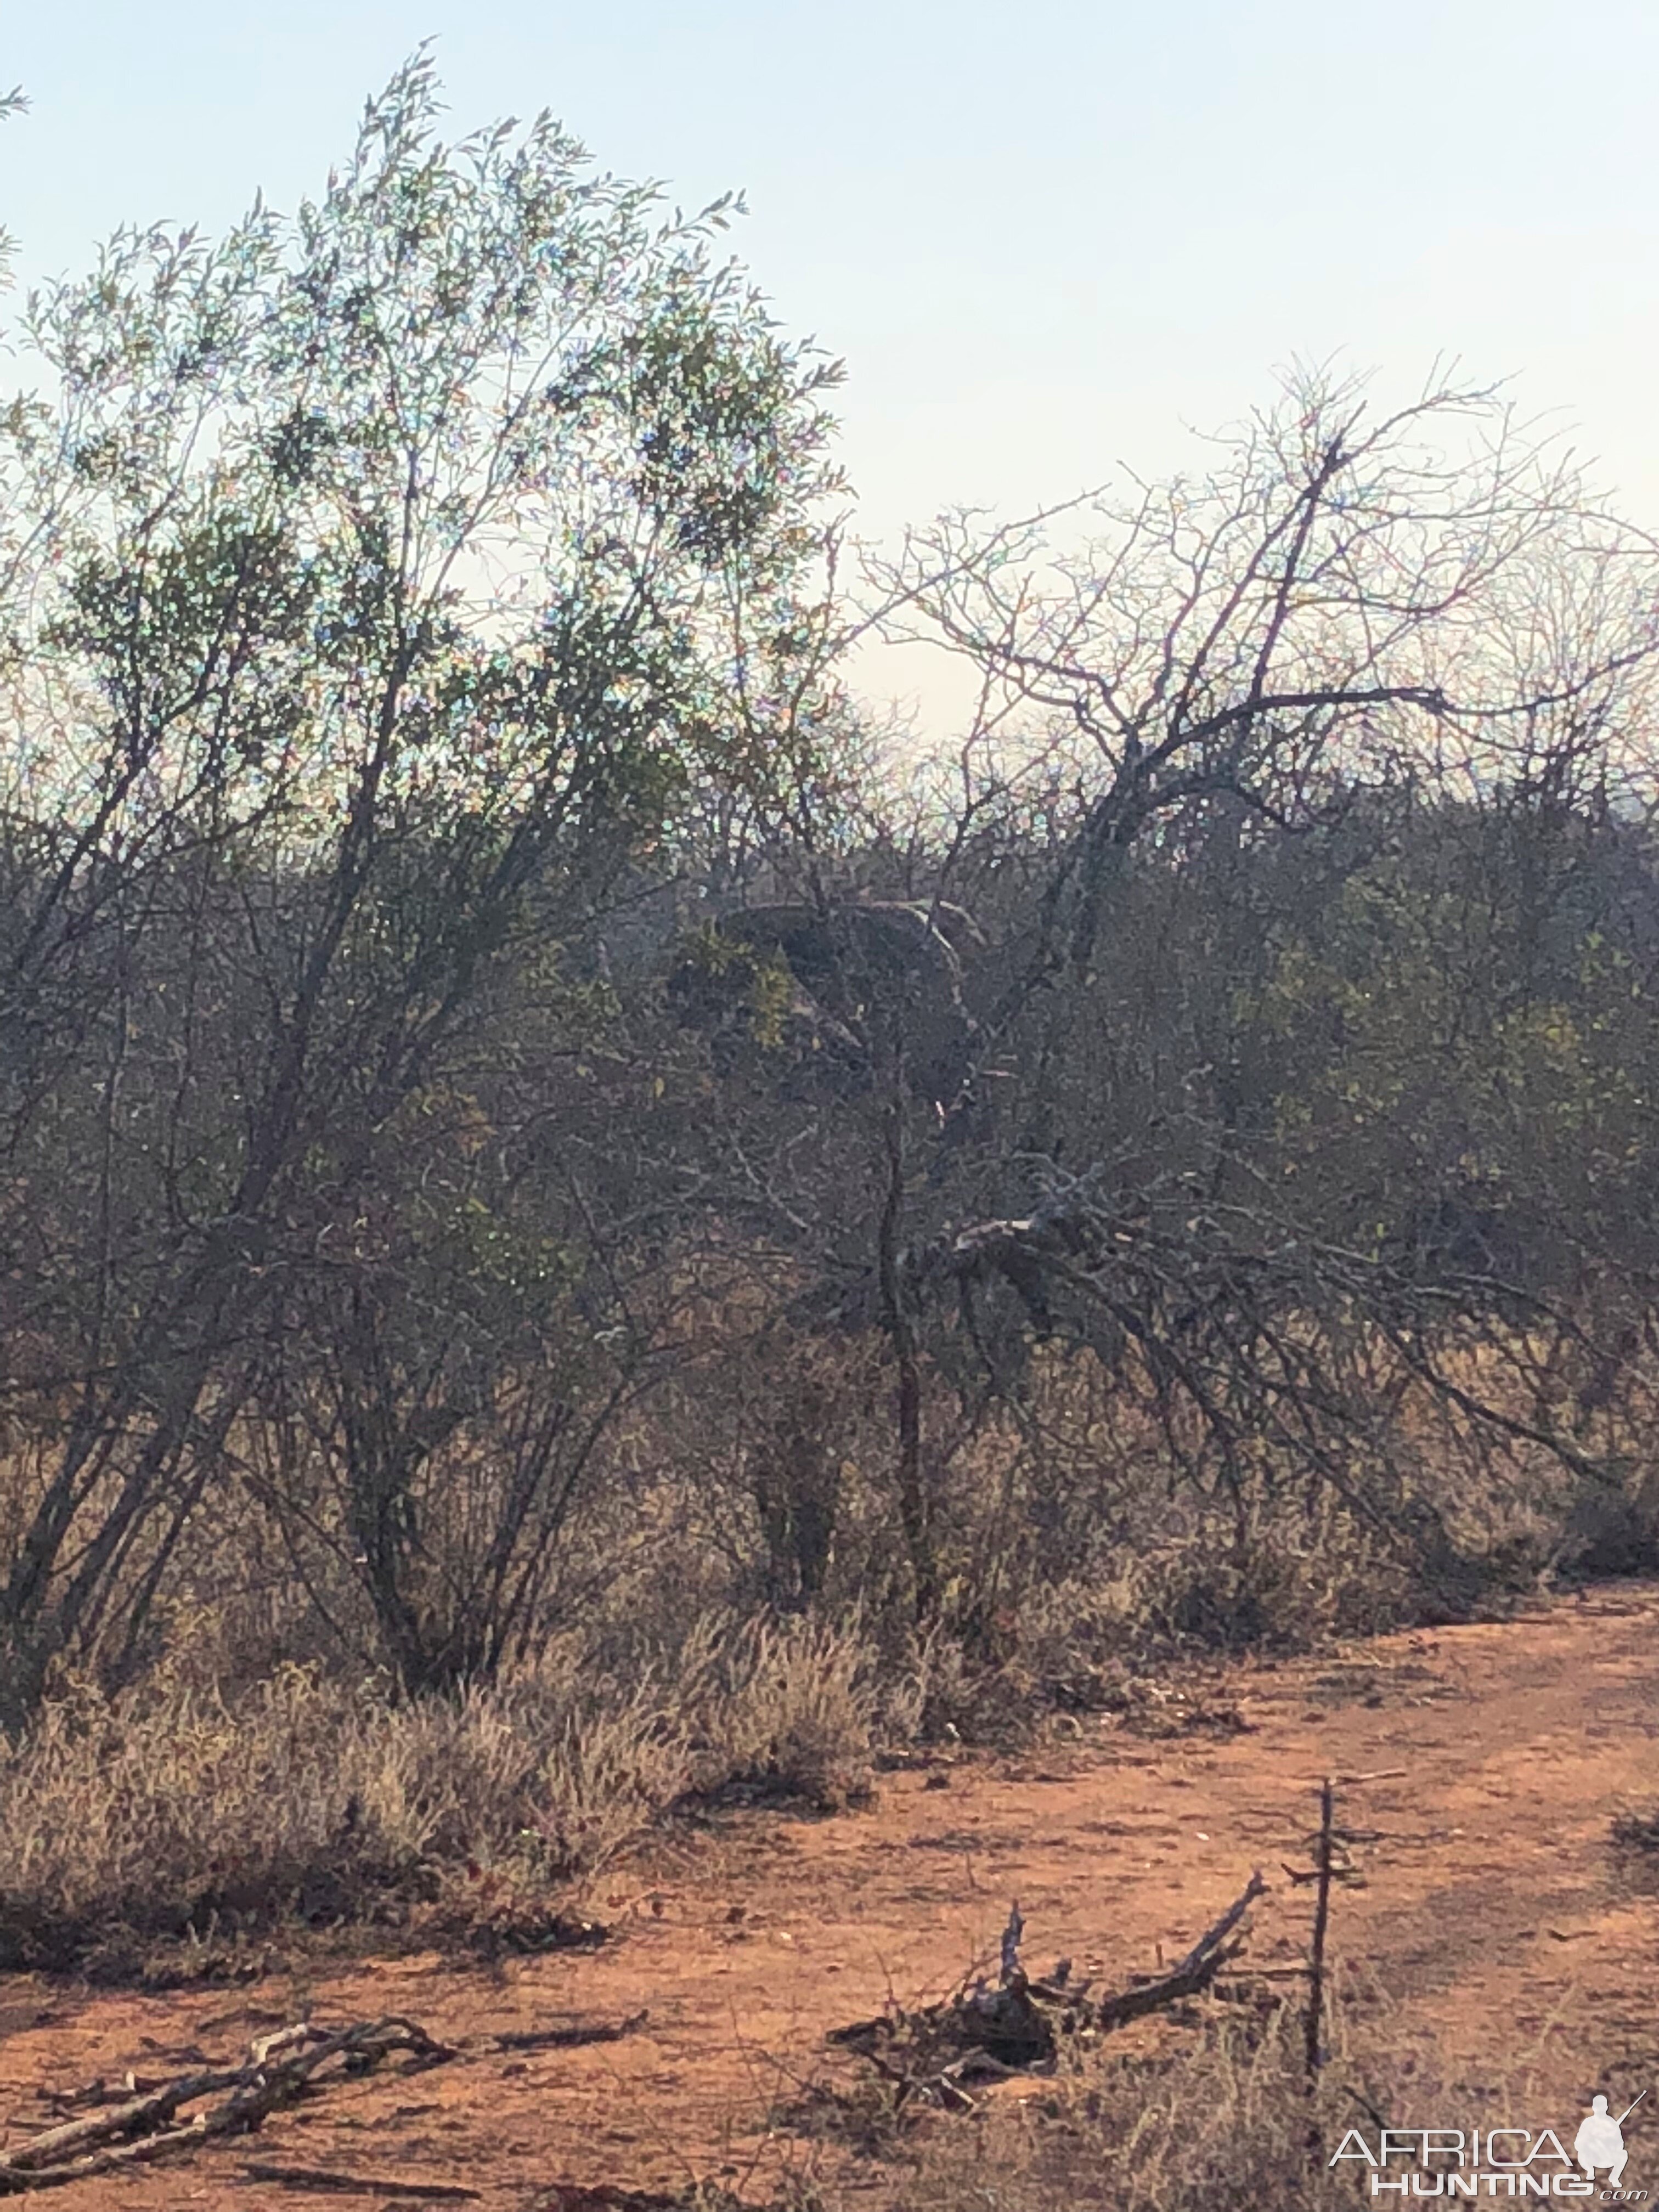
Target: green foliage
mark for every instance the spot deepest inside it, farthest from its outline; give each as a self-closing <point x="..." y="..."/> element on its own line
<point x="375" y="586"/>
<point x="458" y="478"/>
<point x="1423" y="1040"/>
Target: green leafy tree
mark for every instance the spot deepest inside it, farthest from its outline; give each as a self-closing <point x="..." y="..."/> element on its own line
<point x="379" y="581"/>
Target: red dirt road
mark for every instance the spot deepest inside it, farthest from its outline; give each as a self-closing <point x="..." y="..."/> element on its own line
<point x="1504" y="1930"/>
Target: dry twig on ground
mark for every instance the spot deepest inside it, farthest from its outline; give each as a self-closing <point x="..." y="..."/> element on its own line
<point x="280" y="2068"/>
<point x="981" y="2033"/>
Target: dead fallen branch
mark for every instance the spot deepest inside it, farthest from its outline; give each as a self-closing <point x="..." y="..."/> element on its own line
<point x="325" y="2183"/>
<point x="606" y="2196"/>
<point x="573" y="2035"/>
<point x="982" y="2035"/>
<point x="100" y="2091"/>
<point x="280" y="2070"/>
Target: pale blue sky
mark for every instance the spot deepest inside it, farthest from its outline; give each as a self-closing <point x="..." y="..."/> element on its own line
<point x="1042" y="234"/>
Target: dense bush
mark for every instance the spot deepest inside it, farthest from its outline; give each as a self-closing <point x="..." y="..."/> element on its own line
<point x="524" y="1113"/>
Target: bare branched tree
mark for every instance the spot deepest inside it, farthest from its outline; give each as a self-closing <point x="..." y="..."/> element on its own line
<point x="1342" y="594"/>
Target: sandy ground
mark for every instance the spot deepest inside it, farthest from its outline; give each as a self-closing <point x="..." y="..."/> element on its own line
<point x="1489" y="1911"/>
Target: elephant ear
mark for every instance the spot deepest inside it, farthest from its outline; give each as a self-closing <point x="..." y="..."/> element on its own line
<point x="852" y="962"/>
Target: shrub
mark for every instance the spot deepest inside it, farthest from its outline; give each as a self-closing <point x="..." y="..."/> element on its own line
<point x="173" y="1811"/>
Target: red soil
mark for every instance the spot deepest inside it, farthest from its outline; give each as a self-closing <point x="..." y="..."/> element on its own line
<point x="1506" y="1933"/>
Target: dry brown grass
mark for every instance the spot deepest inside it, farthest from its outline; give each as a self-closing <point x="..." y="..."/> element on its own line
<point x="786" y="1708"/>
<point x="257" y="1776"/>
<point x="173" y="1812"/>
<point x="1225" y="2118"/>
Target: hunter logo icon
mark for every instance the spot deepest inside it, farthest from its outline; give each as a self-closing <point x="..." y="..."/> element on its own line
<point x="1600" y="2140"/>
